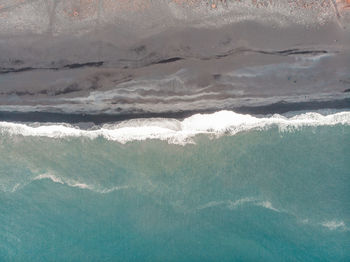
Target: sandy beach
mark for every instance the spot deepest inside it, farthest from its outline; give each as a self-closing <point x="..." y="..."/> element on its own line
<point x="123" y="59"/>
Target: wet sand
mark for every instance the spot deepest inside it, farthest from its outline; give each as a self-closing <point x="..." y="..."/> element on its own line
<point x="88" y="120"/>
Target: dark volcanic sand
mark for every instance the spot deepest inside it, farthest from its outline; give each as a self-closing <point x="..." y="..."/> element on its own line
<point x="90" y="61"/>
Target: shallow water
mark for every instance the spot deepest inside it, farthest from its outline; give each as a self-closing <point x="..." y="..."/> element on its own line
<point x="262" y="194"/>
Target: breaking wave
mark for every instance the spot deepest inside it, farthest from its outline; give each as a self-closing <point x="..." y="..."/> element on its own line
<point x="334" y="225"/>
<point x="252" y="201"/>
<point x="176" y="131"/>
<point x="77" y="184"/>
<point x="240" y="202"/>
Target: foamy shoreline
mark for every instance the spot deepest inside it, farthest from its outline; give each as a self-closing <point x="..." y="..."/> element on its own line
<point x="178" y="132"/>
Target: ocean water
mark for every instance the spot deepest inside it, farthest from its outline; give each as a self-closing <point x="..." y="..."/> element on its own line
<point x="216" y="187"/>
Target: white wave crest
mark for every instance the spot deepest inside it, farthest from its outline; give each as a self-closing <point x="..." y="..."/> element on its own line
<point x="268" y="205"/>
<point x="334" y="225"/>
<point x="212" y="204"/>
<point x="240" y="202"/>
<point x="74" y="183"/>
<point x="49" y="176"/>
<point x="179" y="132"/>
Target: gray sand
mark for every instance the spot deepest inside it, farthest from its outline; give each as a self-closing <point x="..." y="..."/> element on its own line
<point x="122" y="57"/>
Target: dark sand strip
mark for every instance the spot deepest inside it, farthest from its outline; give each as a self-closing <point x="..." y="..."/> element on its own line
<point x="277" y="108"/>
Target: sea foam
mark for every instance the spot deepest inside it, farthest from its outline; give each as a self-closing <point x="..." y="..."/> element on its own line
<point x="240" y="202"/>
<point x="334" y="225"/>
<point x="74" y="183"/>
<point x="176" y="131"/>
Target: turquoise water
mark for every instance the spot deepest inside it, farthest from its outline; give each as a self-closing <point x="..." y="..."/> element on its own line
<point x="259" y="195"/>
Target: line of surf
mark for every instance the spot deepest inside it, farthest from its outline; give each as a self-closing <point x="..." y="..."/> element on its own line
<point x="74" y="183"/>
<point x="334" y="224"/>
<point x="176" y="131"/>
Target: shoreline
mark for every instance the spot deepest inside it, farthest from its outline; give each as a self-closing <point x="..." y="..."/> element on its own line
<point x="97" y="119"/>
